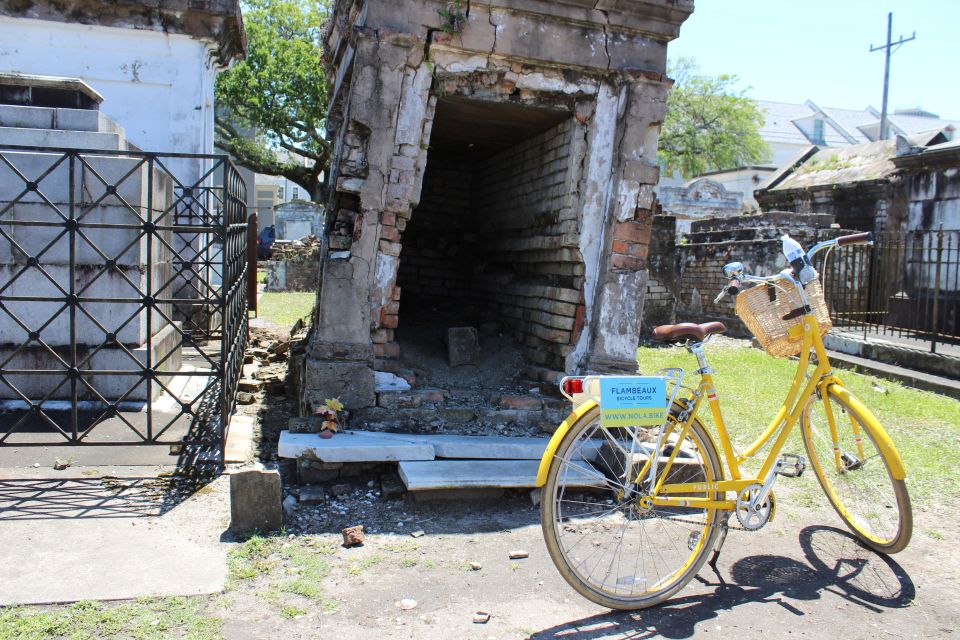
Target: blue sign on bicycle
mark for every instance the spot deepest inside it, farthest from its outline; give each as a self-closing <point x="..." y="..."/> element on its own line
<point x="630" y="401"/>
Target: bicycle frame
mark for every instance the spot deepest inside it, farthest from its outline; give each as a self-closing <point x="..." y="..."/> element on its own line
<point x="783" y="423"/>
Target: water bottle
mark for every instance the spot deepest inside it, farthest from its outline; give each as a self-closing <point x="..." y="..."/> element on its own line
<point x="798" y="259"/>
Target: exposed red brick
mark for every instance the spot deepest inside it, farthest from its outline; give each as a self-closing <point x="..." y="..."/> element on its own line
<point x="396" y="292"/>
<point x="529" y="403"/>
<point x="388" y="218"/>
<point x="638" y="250"/>
<point x="392" y="308"/>
<point x="390" y="321"/>
<point x="378" y="350"/>
<point x="631" y="232"/>
<point x="619" y="246"/>
<point x="578" y="321"/>
<point x="389" y="233"/>
<point x="626" y="263"/>
<point x="379" y="336"/>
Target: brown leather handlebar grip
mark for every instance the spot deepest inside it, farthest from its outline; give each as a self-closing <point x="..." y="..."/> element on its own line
<point x="855" y="238"/>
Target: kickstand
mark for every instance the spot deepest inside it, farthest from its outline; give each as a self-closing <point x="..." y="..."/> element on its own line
<point x="724" y="529"/>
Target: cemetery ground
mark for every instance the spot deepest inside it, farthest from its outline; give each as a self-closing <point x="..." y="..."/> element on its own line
<point x="443" y="569"/>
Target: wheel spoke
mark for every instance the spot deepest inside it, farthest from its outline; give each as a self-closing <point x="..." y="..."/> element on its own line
<point x="621" y="552"/>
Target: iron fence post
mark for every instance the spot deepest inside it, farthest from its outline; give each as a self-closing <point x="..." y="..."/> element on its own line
<point x="936" y="292"/>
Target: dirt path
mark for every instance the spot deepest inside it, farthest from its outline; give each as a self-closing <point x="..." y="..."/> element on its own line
<point x="801" y="576"/>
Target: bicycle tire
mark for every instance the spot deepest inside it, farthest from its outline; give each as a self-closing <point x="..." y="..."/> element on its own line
<point x="567" y="521"/>
<point x="864" y="495"/>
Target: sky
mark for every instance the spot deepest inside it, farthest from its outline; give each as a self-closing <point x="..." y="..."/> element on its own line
<point x="819" y="50"/>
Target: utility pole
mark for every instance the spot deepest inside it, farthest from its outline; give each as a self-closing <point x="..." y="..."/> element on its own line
<point x="888" y="49"/>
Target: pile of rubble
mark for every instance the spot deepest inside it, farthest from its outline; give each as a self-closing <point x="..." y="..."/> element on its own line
<point x="291" y="249"/>
<point x="265" y="364"/>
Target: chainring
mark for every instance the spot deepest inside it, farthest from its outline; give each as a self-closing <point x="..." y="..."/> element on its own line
<point x="754" y="519"/>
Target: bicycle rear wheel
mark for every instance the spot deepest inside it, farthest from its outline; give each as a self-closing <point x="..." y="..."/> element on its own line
<point x="625" y="553"/>
<point x="855" y="474"/>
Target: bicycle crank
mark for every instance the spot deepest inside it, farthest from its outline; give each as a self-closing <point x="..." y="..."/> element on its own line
<point x="751" y="514"/>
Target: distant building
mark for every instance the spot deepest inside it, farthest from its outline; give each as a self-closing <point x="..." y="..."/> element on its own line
<point x="790" y="130"/>
<point x="911" y="183"/>
<point x="154" y="63"/>
<point x="272" y="191"/>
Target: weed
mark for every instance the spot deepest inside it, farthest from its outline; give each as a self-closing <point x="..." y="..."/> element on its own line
<point x="408" y="562"/>
<point x="304" y="587"/>
<point x="290" y="612"/>
<point x="936" y="535"/>
<point x="404" y="546"/>
<point x="357" y="568"/>
<point x="146" y="618"/>
<point x="452" y="17"/>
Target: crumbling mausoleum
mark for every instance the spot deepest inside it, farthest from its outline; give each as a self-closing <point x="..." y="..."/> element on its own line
<point x="493" y="168"/>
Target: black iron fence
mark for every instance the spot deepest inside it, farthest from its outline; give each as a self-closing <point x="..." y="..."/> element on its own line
<point x="907" y="285"/>
<point x="123" y="296"/>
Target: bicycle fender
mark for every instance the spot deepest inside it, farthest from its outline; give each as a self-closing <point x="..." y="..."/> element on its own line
<point x="887" y="448"/>
<point x="561" y="431"/>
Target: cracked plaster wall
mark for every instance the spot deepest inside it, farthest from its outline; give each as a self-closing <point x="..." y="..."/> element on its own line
<point x="604" y="66"/>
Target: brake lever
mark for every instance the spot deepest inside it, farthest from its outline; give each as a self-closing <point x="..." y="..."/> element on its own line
<point x="732" y="289"/>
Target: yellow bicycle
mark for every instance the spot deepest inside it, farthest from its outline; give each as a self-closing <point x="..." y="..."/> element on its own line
<point x="630" y="514"/>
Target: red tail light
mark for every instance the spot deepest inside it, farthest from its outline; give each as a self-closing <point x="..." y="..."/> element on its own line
<point x="572" y="386"/>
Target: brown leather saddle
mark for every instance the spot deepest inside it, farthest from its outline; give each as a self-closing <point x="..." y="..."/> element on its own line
<point x="686" y="331"/>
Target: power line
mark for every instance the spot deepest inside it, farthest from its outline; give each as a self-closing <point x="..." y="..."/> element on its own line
<point x="888" y="50"/>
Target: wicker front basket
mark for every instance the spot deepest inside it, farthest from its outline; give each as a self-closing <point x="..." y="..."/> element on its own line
<point x="765" y="317"/>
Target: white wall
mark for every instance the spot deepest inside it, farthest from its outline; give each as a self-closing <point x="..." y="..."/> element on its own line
<point x="157" y="86"/>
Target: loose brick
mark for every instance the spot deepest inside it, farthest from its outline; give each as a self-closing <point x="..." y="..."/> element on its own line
<point x="528" y="403"/>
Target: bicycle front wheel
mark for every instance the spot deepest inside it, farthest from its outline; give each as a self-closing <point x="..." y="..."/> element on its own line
<point x="606" y="538"/>
<point x="855" y="473"/>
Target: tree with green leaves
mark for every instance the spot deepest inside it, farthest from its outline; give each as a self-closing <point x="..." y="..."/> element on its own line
<point x="708" y="126"/>
<point x="272" y="106"/>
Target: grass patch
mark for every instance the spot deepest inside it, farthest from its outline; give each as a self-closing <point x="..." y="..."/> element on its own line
<point x="146" y="618"/>
<point x="284" y="308"/>
<point x="404" y="546"/>
<point x="262" y="276"/>
<point x="252" y="558"/>
<point x="356" y="568"/>
<point x="751" y="386"/>
<point x="290" y="613"/>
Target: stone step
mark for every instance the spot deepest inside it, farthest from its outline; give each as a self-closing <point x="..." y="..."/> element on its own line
<point x="95" y="140"/>
<point x="475" y="474"/>
<point x="351" y="446"/>
<point x="476" y="447"/>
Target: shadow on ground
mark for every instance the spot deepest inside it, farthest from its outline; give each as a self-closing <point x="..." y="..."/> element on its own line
<point x="835" y="562"/>
<point x="130" y="492"/>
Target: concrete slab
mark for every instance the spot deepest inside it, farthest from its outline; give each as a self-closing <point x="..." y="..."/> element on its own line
<point x="239" y="439"/>
<point x="503" y="474"/>
<point x="351" y="447"/>
<point x="476" y="447"/>
<point x="96" y="537"/>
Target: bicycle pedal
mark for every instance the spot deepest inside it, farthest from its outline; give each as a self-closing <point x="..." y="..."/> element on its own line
<point x="791" y="465"/>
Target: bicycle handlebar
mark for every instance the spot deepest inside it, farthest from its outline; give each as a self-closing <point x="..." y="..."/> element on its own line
<point x="733" y="287"/>
<point x="855" y="238"/>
